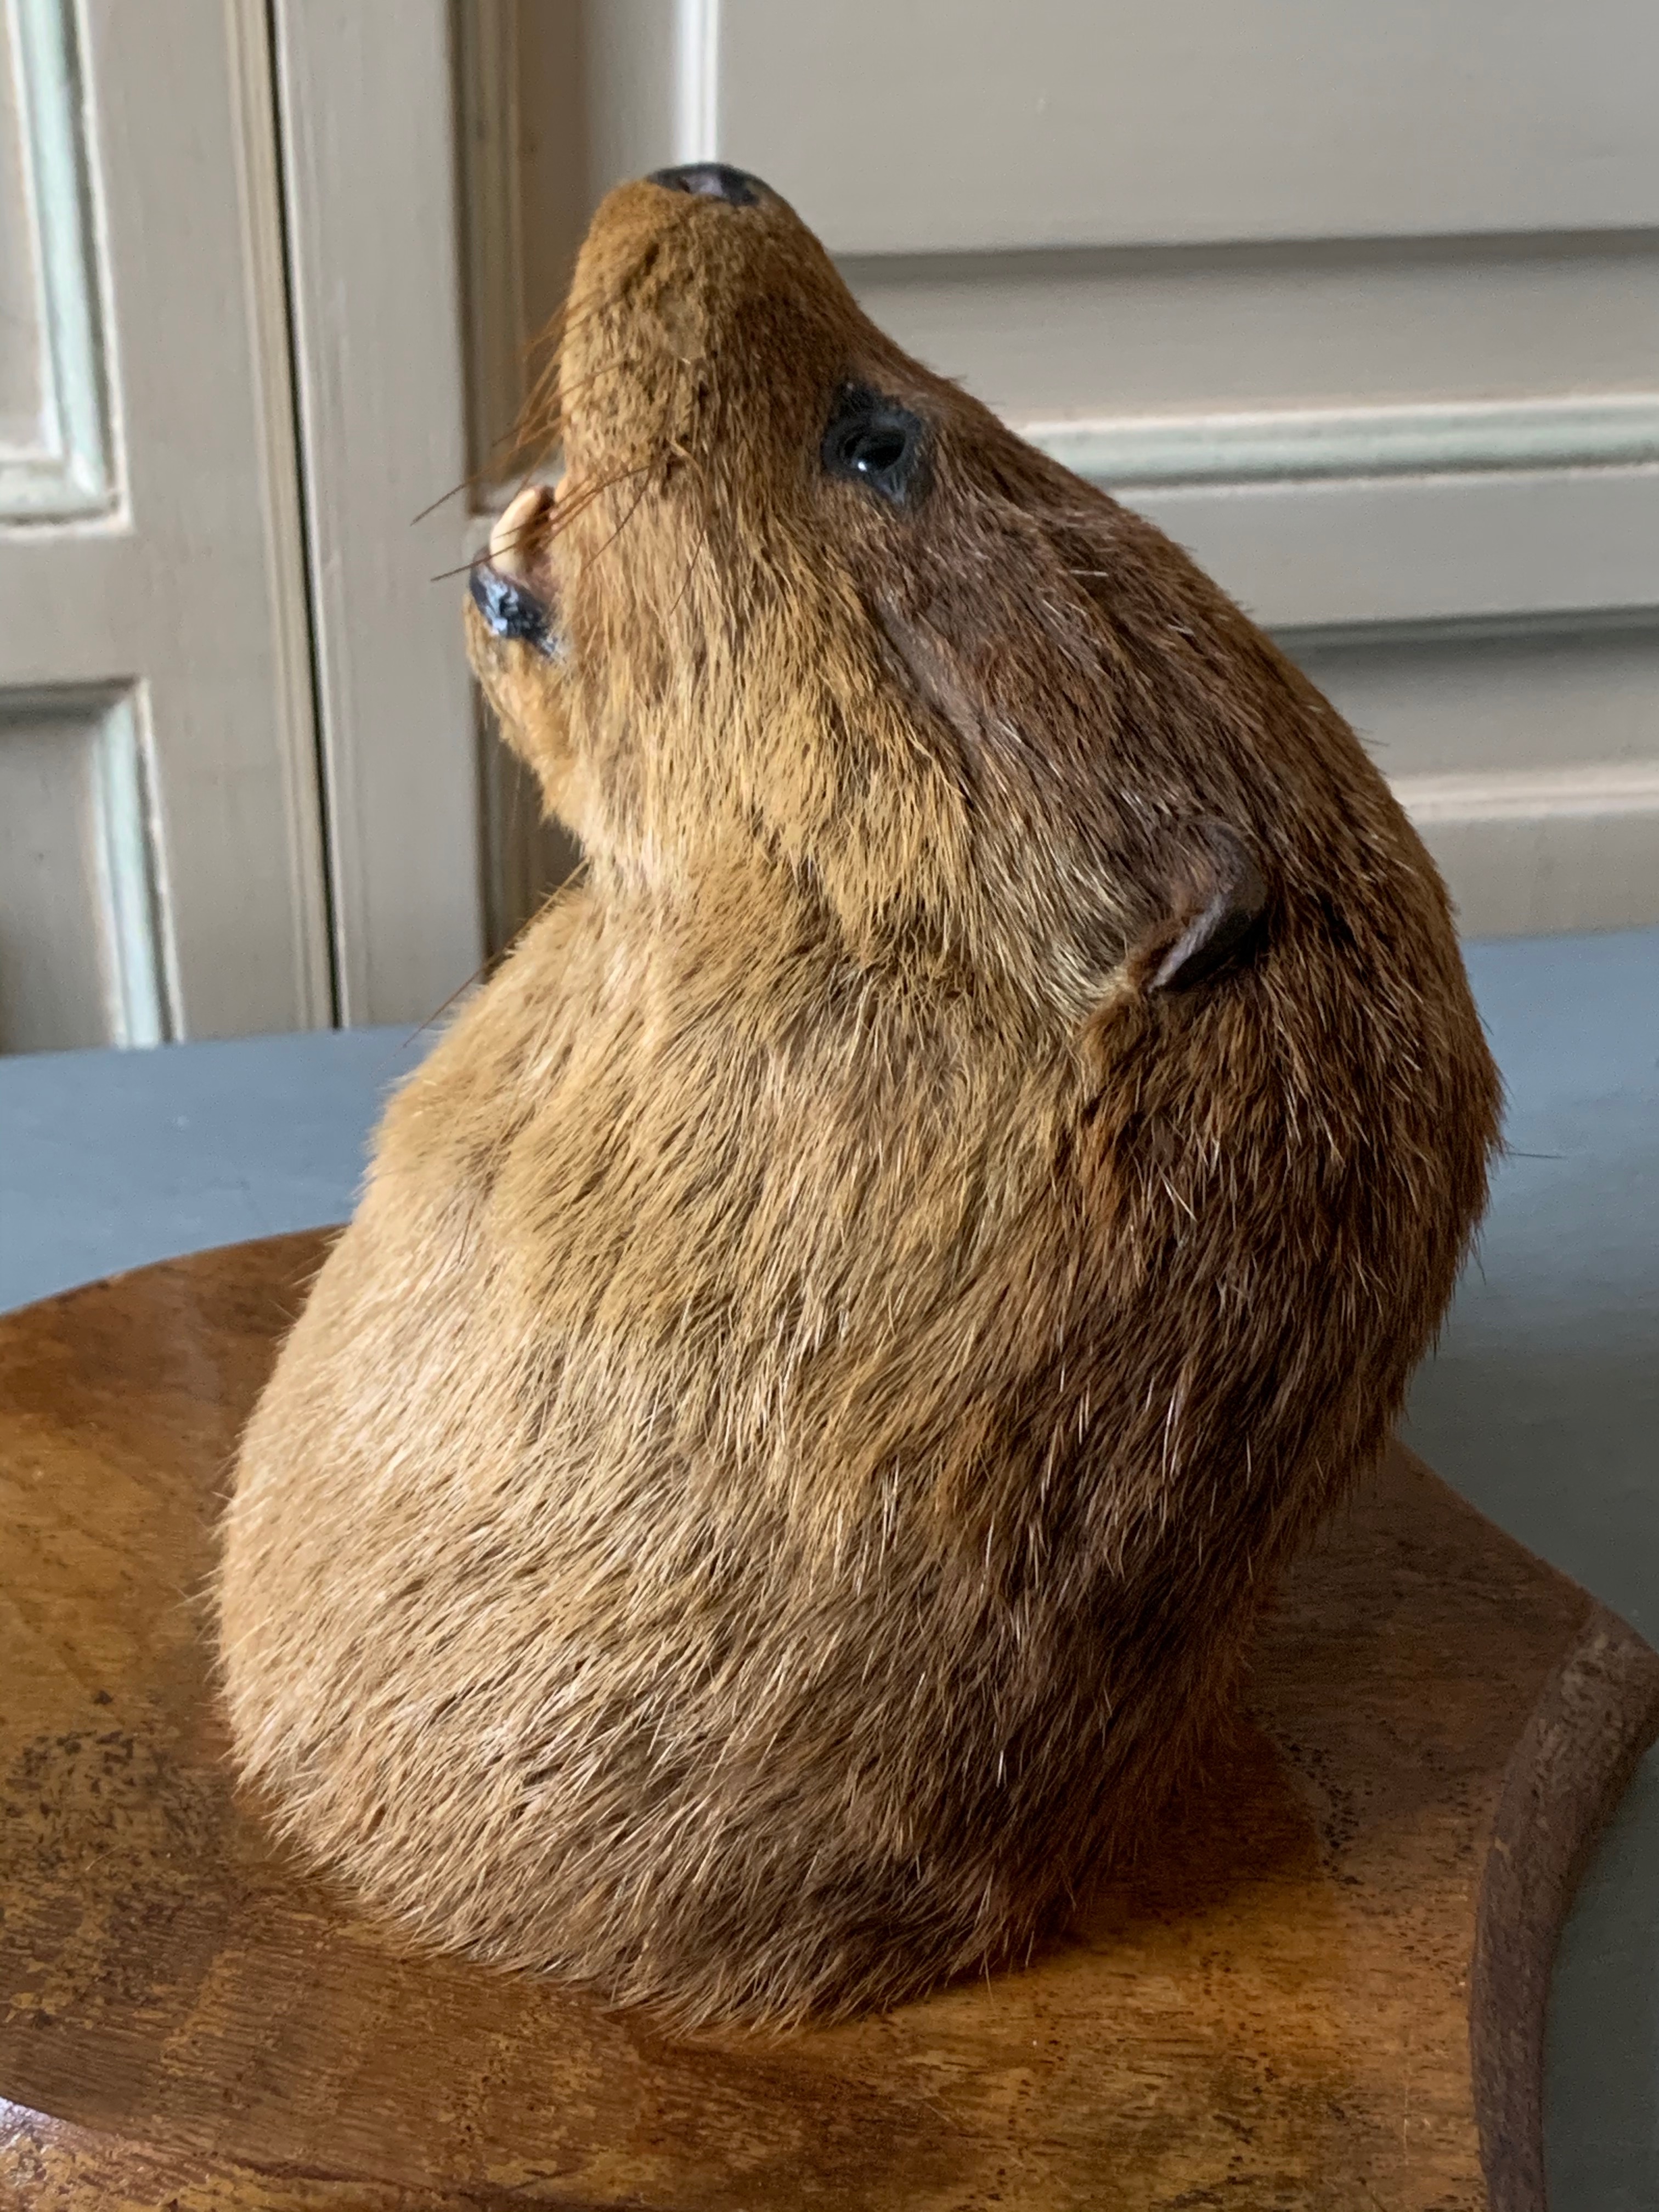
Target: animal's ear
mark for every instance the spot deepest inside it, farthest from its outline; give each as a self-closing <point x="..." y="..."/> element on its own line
<point x="1218" y="898"/>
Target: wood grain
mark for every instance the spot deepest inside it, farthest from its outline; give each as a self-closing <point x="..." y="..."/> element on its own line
<point x="1279" y="2010"/>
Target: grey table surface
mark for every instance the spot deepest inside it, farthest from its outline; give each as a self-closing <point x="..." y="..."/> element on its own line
<point x="1542" y="1403"/>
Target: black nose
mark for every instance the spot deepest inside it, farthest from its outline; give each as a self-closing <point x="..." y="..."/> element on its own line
<point x="711" y="181"/>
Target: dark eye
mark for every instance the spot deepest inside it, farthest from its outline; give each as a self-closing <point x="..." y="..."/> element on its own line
<point x="510" y="610"/>
<point x="877" y="442"/>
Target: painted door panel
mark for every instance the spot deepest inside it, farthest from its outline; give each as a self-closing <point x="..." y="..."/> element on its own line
<point x="161" y="869"/>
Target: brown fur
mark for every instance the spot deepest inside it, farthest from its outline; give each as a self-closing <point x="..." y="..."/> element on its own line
<point x="830" y="1359"/>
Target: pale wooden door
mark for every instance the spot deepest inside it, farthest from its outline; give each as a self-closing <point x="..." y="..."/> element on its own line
<point x="1360" y="301"/>
<point x="161" y="838"/>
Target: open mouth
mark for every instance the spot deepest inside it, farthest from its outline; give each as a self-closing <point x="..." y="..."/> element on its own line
<point x="512" y="599"/>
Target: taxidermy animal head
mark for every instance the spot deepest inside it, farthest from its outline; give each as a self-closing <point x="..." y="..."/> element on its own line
<point x="775" y="1484"/>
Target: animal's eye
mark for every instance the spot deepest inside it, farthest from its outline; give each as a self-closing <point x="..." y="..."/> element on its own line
<point x="877" y="442"/>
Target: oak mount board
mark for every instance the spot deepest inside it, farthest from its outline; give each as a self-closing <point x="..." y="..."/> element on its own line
<point x="1326" y="1990"/>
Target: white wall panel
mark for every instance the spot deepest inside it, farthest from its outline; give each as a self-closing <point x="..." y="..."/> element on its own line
<point x="1201" y="330"/>
<point x="951" y="125"/>
<point x="1518" y="700"/>
<point x="1402" y="548"/>
<point x="1360" y="303"/>
<point x="1527" y="754"/>
<point x="1538" y="855"/>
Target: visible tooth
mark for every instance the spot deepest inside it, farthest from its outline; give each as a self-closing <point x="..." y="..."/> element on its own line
<point x="510" y="541"/>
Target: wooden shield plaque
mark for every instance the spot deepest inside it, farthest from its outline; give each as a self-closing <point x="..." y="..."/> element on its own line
<point x="1326" y="1990"/>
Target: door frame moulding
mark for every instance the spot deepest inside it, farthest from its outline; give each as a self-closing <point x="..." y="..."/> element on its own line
<point x="274" y="370"/>
<point x="365" y="111"/>
<point x="696" y="80"/>
<point x="1299" y="445"/>
<point x="1596" y="787"/>
<point x="1348" y="517"/>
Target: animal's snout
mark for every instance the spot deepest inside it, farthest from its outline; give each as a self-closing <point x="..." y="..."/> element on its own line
<point x="712" y="180"/>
